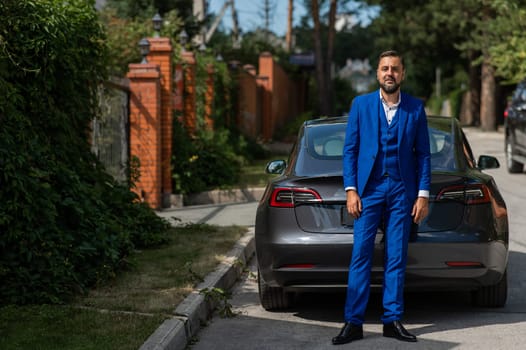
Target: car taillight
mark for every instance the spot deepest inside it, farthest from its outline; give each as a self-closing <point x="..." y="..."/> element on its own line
<point x="469" y="194"/>
<point x="287" y="197"/>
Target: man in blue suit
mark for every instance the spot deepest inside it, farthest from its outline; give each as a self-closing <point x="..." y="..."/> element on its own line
<point x="386" y="173"/>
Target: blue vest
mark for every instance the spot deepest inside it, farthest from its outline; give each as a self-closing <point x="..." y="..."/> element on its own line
<point x="386" y="163"/>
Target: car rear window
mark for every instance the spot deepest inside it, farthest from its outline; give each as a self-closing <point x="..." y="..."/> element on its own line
<point x="442" y="150"/>
<point x="324" y="146"/>
<point x="326" y="141"/>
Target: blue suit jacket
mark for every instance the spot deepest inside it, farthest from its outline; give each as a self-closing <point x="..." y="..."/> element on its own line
<point x="362" y="142"/>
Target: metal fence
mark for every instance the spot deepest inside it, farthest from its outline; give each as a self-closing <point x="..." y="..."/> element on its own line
<point x="110" y="131"/>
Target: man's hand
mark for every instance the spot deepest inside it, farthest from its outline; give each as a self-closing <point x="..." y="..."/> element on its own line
<point x="420" y="209"/>
<point x="354" y="204"/>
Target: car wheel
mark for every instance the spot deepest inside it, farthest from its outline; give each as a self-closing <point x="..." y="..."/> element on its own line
<point x="513" y="166"/>
<point x="272" y="298"/>
<point x="492" y="296"/>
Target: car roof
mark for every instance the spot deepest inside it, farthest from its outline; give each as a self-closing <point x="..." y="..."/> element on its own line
<point x="437" y="122"/>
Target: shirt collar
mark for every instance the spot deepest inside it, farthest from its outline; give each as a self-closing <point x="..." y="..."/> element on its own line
<point x="385" y="102"/>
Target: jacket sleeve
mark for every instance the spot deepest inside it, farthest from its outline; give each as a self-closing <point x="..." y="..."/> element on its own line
<point x="351" y="147"/>
<point x="422" y="151"/>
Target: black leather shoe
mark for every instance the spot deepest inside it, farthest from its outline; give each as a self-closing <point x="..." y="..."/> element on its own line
<point x="348" y="333"/>
<point x="396" y="330"/>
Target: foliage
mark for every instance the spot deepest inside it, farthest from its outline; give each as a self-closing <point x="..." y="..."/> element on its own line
<point x="205" y="162"/>
<point x="124" y="34"/>
<point x="343" y="96"/>
<point x="290" y="130"/>
<point x="142" y="8"/>
<point x="65" y="223"/>
<point x="253" y="44"/>
<point x="446" y="33"/>
<point x="134" y="304"/>
<point x="426" y="33"/>
<point x="219" y="296"/>
<point x="507" y="34"/>
<point x="455" y="101"/>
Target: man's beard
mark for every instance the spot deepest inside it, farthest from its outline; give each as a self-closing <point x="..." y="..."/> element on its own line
<point x="389" y="89"/>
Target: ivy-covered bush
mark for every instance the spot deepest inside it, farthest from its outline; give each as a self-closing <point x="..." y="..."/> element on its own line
<point x="204" y="162"/>
<point x="65" y="224"/>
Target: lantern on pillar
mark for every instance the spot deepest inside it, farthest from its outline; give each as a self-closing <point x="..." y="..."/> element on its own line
<point x="183" y="38"/>
<point x="144" y="48"/>
<point x="157" y="21"/>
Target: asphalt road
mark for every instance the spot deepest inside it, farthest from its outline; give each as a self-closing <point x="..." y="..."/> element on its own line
<point x="440" y="320"/>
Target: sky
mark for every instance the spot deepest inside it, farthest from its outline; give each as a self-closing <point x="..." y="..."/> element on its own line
<point x="250" y="14"/>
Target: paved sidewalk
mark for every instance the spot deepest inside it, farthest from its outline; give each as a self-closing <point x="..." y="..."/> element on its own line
<point x="242" y="214"/>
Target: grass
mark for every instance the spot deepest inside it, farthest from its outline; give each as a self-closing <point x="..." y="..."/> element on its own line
<point x="254" y="174"/>
<point x="124" y="312"/>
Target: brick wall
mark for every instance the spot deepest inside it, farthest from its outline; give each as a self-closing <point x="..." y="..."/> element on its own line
<point x="145" y="129"/>
<point x="161" y="54"/>
<point x="267" y="101"/>
<point x="249" y="117"/>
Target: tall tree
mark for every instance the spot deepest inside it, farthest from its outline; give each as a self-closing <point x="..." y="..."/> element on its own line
<point x="507" y="33"/>
<point x="434" y="34"/>
<point x="320" y="70"/>
<point x="288" y="37"/>
<point x="487" y="38"/>
<point x="323" y="65"/>
<point x="330" y="54"/>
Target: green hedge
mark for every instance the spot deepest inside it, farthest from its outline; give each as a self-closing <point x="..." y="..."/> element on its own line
<point x="65" y="224"/>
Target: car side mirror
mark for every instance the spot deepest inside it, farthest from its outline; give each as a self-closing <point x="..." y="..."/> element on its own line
<point x="276" y="167"/>
<point x="488" y="162"/>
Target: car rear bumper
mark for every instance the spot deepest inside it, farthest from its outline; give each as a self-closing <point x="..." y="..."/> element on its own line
<point x="430" y="266"/>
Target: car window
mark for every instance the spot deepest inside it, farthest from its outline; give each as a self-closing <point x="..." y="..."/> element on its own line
<point x="517" y="94"/>
<point x="442" y="150"/>
<point x="324" y="150"/>
<point x="326" y="142"/>
<point x="468" y="153"/>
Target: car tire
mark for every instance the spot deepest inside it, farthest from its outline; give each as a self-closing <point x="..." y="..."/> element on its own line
<point x="513" y="166"/>
<point x="272" y="298"/>
<point x="494" y="295"/>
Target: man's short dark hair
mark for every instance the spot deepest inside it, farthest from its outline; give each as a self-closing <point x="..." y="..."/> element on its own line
<point x="391" y="53"/>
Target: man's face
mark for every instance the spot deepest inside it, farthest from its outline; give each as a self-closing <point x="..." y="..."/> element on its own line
<point x="390" y="74"/>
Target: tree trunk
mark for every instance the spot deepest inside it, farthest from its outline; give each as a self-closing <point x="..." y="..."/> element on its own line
<point x="288" y="37"/>
<point x="330" y="51"/>
<point x="472" y="118"/>
<point x="320" y="70"/>
<point x="488" y="109"/>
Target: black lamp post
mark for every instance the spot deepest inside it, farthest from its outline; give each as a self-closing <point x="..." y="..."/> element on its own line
<point x="144" y="48"/>
<point x="157" y="21"/>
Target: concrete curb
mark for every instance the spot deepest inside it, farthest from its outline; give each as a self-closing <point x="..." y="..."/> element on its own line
<point x="177" y="332"/>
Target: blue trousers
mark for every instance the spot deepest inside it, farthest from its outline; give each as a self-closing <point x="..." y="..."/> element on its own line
<point x="383" y="199"/>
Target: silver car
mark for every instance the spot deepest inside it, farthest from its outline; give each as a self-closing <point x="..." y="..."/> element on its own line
<point x="304" y="236"/>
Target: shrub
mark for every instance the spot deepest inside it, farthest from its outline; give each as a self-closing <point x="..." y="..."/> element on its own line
<point x="65" y="224"/>
<point x="204" y="162"/>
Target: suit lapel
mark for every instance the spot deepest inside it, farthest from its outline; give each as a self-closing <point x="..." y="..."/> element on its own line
<point x="402" y="117"/>
<point x="377" y="111"/>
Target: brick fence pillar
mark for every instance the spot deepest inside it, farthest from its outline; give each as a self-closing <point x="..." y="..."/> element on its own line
<point x="266" y="82"/>
<point x="145" y="130"/>
<point x="209" y="97"/>
<point x="189" y="98"/>
<point x="161" y="54"/>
